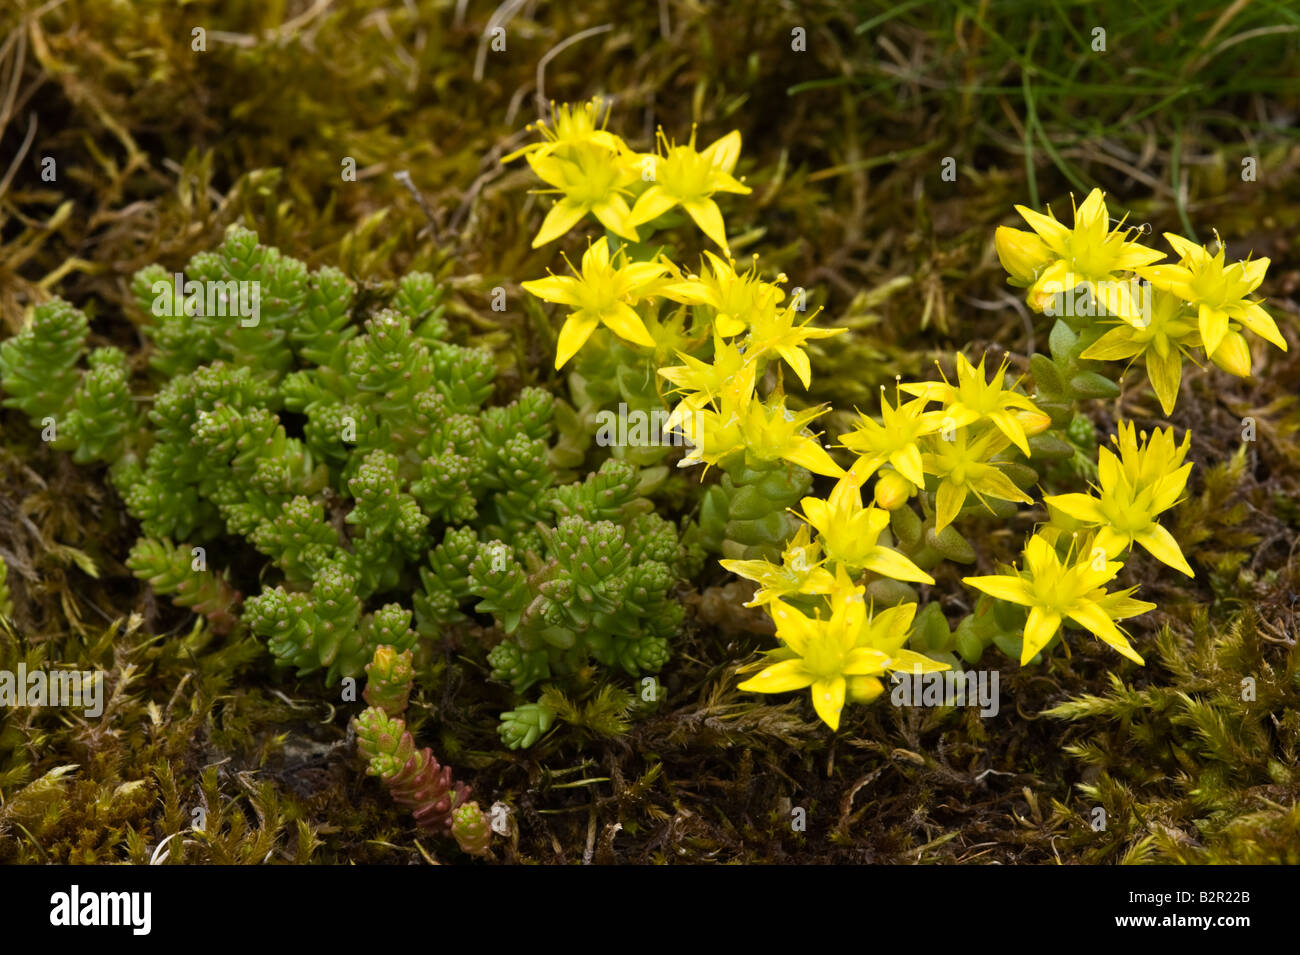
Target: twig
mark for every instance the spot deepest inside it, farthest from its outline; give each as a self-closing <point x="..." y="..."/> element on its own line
<point x="556" y="51"/>
<point x="500" y="17"/>
<point x="404" y="177"/>
<point x="18" y="157"/>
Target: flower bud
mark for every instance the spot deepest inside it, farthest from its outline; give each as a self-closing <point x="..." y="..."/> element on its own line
<point x="389" y="677"/>
<point x="1022" y="254"/>
<point x="892" y="490"/>
<point x="470" y="826"/>
<point x="863" y="689"/>
<point x="1034" y="422"/>
<point x="1233" y="355"/>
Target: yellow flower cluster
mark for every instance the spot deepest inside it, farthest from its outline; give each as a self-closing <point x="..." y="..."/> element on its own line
<point x="1136" y="486"/>
<point x="954" y="444"/>
<point x="593" y="171"/>
<point x="1159" y="311"/>
<point x="842" y="650"/>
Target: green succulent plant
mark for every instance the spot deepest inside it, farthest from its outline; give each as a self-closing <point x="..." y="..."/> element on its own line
<point x="353" y="446"/>
<point x="414" y="776"/>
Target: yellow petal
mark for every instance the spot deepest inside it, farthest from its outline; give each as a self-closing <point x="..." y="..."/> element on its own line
<point x="1254" y="271"/>
<point x="1135" y="256"/>
<point x="792" y="627"/>
<point x="708" y="217"/>
<point x="1111" y="541"/>
<point x="554" y="288"/>
<point x="817" y="513"/>
<point x="635" y="276"/>
<point x="564" y="215"/>
<point x="1039" y="630"/>
<point x="1117" y="300"/>
<point x="721" y="182"/>
<point x="828" y="700"/>
<point x="596" y="258"/>
<point x="615" y="216"/>
<point x="1232" y="354"/>
<point x="1011" y="589"/>
<point x="723" y="152"/>
<point x="728" y="325"/>
<point x="1170" y="278"/>
<point x="1108" y="469"/>
<point x="798" y="361"/>
<point x="996" y="484"/>
<point x="890" y="628"/>
<point x="689" y="293"/>
<point x="576" y="330"/>
<point x="892" y="564"/>
<point x="1116" y="345"/>
<point x="779" y="678"/>
<point x="1010" y="425"/>
<point x="907" y="461"/>
<point x="1262" y="324"/>
<point x="652" y="203"/>
<point x="1021" y="253"/>
<point x="1055" y="280"/>
<point x="1213" y="323"/>
<point x="1088" y="614"/>
<point x="1092" y="212"/>
<point x="1166" y="374"/>
<point x="809" y="454"/>
<point x="863" y="661"/>
<point x="909" y="661"/>
<point x="947" y="502"/>
<point x="626" y="323"/>
<point x="1040" y="557"/>
<point x="1053" y="232"/>
<point x="1169" y="488"/>
<point x="1186" y="248"/>
<point x="752" y="569"/>
<point x="929" y="390"/>
<point x="548" y="169"/>
<point x="1081" y="507"/>
<point x="1119" y="605"/>
<point x="1162" y="546"/>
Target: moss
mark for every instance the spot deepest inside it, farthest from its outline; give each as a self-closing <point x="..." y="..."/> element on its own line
<point x="1200" y="765"/>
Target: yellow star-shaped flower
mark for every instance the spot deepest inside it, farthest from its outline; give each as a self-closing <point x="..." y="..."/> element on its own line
<point x="571" y="125"/>
<point x="1135" y="488"/>
<point x="774" y="330"/>
<point x="849" y="533"/>
<point x="1218" y="291"/>
<point x="800" y="571"/>
<point x="1162" y="343"/>
<point x="688" y="178"/>
<point x="1054" y="590"/>
<point x="591" y="179"/>
<point x="735" y="298"/>
<point x="603" y="293"/>
<point x="892" y="440"/>
<point x="826" y="655"/>
<point x="973" y="399"/>
<point x="1090" y="253"/>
